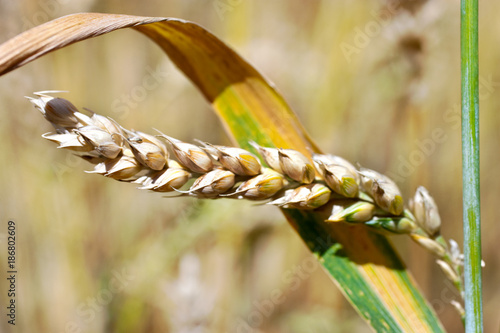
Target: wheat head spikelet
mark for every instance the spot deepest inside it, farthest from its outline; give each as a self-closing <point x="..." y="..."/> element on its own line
<point x="288" y="179"/>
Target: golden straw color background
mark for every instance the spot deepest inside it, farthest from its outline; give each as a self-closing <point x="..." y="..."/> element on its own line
<point x="377" y="82"/>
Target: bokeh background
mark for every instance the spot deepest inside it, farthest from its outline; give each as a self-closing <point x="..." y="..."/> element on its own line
<point x="377" y="82"/>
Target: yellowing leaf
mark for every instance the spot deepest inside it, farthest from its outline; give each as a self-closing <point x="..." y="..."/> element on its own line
<point x="362" y="263"/>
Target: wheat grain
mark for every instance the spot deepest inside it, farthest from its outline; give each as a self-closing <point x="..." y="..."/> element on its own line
<point x="426" y="212"/>
<point x="291" y="181"/>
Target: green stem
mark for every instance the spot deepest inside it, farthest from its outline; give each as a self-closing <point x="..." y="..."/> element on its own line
<point x="470" y="164"/>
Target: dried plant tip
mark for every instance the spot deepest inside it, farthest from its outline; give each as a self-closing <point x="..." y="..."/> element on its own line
<point x="454" y="248"/>
<point x="456" y="256"/>
<point x="84" y="120"/>
<point x="270" y="155"/>
<point x="168" y="180"/>
<point x="213" y="183"/>
<point x="383" y="190"/>
<point x="154" y="140"/>
<point x="309" y="196"/>
<point x="426" y="212"/>
<point x="448" y="271"/>
<point x="110" y="126"/>
<point x="69" y="141"/>
<point x="368" y="179"/>
<point x="430" y="244"/>
<point x="60" y="138"/>
<point x="99" y="169"/>
<point x="458" y="307"/>
<point x="144" y="180"/>
<point x="121" y="168"/>
<point x="296" y="166"/>
<point x="328" y="159"/>
<point x="109" y="149"/>
<point x="191" y="156"/>
<point x="236" y="160"/>
<point x="349" y="211"/>
<point x="94" y="135"/>
<point x="101" y="140"/>
<point x="148" y="154"/>
<point x="58" y="111"/>
<point x="262" y="186"/>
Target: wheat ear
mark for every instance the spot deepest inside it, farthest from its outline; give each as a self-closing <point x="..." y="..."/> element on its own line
<point x="290" y="180"/>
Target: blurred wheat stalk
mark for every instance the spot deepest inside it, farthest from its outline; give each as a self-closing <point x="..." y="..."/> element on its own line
<point x="362" y="262"/>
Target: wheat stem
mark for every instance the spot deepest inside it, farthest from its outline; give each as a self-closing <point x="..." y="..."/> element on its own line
<point x="470" y="164"/>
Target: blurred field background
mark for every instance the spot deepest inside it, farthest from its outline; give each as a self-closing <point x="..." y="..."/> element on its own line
<point x="373" y="81"/>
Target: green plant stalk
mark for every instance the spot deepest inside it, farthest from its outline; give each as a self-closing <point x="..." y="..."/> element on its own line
<point x="470" y="165"/>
